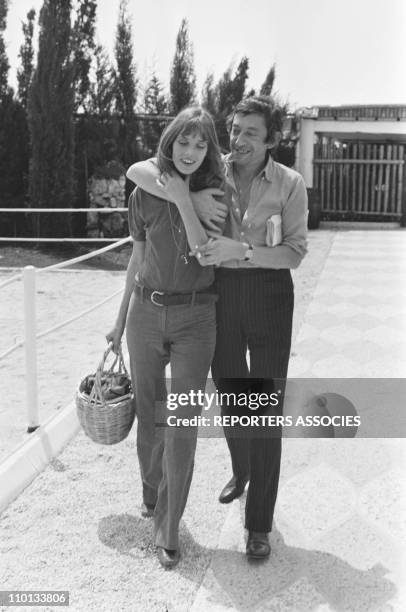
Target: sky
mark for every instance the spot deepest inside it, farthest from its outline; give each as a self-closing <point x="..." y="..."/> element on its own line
<point x="326" y="51"/>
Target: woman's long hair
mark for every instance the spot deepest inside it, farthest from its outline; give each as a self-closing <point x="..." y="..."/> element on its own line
<point x="189" y="121"/>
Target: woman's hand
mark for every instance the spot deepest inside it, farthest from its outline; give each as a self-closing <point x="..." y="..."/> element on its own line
<point x="114" y="336"/>
<point x="219" y="249"/>
<point x="175" y="188"/>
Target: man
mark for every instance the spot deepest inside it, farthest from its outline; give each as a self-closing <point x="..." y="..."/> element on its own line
<point x="255" y="306"/>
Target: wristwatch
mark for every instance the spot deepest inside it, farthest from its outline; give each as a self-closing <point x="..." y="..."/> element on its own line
<point x="248" y="251"/>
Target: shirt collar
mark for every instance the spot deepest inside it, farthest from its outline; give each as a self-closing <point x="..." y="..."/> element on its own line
<point x="266" y="172"/>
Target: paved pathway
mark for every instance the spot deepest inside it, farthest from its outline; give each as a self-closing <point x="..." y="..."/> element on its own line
<point x="338" y="540"/>
<point x="355" y="325"/>
<point x="340" y="525"/>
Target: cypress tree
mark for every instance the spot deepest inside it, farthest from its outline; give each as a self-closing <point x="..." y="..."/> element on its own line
<point x="102" y="88"/>
<point x="83" y="49"/>
<point x="126" y="83"/>
<point x="209" y="97"/>
<point x="25" y="71"/>
<point x="13" y="142"/>
<point x="238" y="82"/>
<point x="50" y="113"/>
<point x="267" y="85"/>
<point x="4" y="64"/>
<point x="125" y="75"/>
<point x="183" y="78"/>
<point x="96" y="131"/>
<point x="6" y="109"/>
<point x="83" y="46"/>
<point x="155" y="103"/>
<point x="230" y="91"/>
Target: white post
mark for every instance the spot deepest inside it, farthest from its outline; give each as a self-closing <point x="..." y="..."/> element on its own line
<point x="30" y="331"/>
<point x="306" y="145"/>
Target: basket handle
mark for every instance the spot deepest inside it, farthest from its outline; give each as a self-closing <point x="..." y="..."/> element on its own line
<point x="96" y="392"/>
<point x="118" y="358"/>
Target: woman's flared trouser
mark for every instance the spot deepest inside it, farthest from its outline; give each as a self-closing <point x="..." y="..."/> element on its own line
<point x="184" y="336"/>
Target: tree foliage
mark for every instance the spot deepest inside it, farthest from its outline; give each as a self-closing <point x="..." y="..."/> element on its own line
<point x="155" y="105"/>
<point x="14" y="149"/>
<point x="239" y="81"/>
<point x="102" y="90"/>
<point x="75" y="110"/>
<point x="183" y="78"/>
<point x="13" y="140"/>
<point x="125" y="74"/>
<point x="230" y="90"/>
<point x="83" y="46"/>
<point x="26" y="55"/>
<point x="4" y="64"/>
<point x="209" y="96"/>
<point x="155" y="100"/>
<point x="267" y="85"/>
<point x="50" y="108"/>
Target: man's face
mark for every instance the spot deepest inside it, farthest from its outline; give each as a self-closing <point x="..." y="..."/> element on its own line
<point x="247" y="140"/>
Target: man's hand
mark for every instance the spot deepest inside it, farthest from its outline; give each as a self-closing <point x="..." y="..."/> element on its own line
<point x="220" y="249"/>
<point x="208" y="209"/>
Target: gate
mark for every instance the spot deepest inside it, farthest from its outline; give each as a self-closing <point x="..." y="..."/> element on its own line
<point x="359" y="179"/>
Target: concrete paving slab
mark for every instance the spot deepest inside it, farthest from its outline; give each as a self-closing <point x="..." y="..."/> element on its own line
<point x="338" y="539"/>
<point x="336" y="544"/>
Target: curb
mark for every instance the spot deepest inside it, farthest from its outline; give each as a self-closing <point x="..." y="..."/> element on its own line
<point x="28" y="459"/>
<point x="360" y="225"/>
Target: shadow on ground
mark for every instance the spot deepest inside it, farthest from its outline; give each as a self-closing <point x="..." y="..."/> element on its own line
<point x="292" y="579"/>
<point x="299" y="579"/>
<point x="131" y="535"/>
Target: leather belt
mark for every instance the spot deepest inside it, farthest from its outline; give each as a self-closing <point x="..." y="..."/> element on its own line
<point x="159" y="298"/>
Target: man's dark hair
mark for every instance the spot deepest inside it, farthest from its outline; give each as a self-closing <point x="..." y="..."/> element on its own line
<point x="265" y="106"/>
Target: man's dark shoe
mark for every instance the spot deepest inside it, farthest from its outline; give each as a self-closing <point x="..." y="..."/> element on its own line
<point x="168" y="558"/>
<point x="147" y="510"/>
<point x="233" y="489"/>
<point x="258" y="545"/>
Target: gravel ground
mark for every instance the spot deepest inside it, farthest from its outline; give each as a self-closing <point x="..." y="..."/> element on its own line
<point x="77" y="526"/>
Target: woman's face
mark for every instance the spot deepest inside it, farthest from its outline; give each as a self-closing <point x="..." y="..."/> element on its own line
<point x="188" y="152"/>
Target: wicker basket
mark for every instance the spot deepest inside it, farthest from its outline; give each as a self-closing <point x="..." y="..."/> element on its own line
<point x="106" y="419"/>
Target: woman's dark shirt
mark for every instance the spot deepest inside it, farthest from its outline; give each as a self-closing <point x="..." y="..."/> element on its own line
<point x="159" y="224"/>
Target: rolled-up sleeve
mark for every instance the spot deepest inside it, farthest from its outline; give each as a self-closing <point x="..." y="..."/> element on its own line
<point x="294" y="218"/>
<point x="290" y="252"/>
<point x="136" y="223"/>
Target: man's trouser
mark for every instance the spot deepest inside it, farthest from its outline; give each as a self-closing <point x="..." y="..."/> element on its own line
<point x="184" y="336"/>
<point x="254" y="312"/>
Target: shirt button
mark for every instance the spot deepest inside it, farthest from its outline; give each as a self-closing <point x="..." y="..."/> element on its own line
<point x="237" y="210"/>
<point x="242" y="233"/>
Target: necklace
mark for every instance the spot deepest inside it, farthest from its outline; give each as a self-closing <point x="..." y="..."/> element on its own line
<point x="178" y="230"/>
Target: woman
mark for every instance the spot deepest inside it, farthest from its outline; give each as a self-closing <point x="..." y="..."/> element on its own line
<point x="168" y="309"/>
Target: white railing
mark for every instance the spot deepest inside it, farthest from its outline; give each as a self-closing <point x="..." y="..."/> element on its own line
<point x="30" y="323"/>
<point x="59" y="210"/>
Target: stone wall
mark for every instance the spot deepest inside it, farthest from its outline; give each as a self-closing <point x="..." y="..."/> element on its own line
<point x="106" y="193"/>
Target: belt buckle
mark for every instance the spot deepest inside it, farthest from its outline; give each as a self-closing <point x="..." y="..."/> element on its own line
<point x="153" y="300"/>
